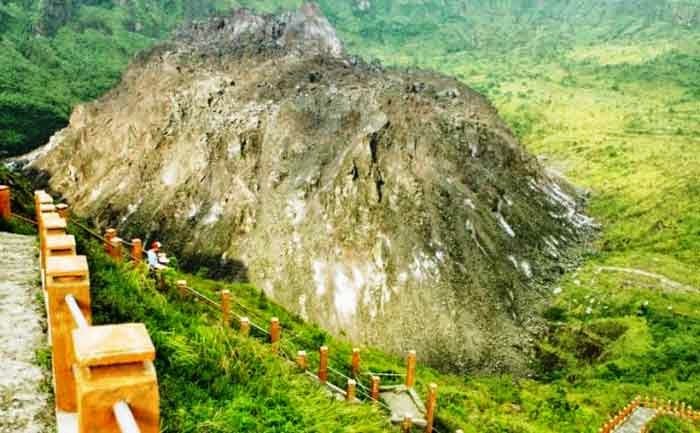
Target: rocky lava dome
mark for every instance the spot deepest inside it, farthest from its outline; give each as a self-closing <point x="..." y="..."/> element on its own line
<point x="395" y="208"/>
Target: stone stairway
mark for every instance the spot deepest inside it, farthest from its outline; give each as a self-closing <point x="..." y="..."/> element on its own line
<point x="25" y="405"/>
<point x="637" y="420"/>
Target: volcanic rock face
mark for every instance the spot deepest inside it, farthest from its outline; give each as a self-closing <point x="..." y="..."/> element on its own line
<point x="395" y="208"/>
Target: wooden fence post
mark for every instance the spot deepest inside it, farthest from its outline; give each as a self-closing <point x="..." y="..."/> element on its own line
<point x="115" y="250"/>
<point x="350" y="393"/>
<point x="301" y="360"/>
<point x="37" y="202"/>
<point x="430" y="408"/>
<point x="63" y="211"/>
<point x="181" y="287"/>
<point x="136" y="250"/>
<point x="57" y="245"/>
<point x="5" y="203"/>
<point x="225" y="307"/>
<point x="275" y="333"/>
<point x="374" y="390"/>
<point x="355" y="362"/>
<point x="50" y="224"/>
<point x="411" y="369"/>
<point x="323" y="364"/>
<point x="109" y="235"/>
<point x="161" y="281"/>
<point x="65" y="275"/>
<point x="114" y="366"/>
<point x="406" y="424"/>
<point x="245" y="326"/>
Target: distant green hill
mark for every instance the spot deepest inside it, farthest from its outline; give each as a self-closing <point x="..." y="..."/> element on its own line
<point x="56" y="53"/>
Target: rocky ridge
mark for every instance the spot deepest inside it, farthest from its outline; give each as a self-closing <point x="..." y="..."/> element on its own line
<point x="393" y="207"/>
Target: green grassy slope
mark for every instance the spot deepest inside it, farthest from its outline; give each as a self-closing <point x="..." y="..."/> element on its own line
<point x="213" y="380"/>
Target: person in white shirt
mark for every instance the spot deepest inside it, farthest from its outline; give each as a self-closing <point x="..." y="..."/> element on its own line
<point x="153" y="259"/>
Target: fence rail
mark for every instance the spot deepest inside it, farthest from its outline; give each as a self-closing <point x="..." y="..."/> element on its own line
<point x="669" y="408"/>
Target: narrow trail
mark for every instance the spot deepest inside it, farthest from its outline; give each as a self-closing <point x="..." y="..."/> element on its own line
<point x="637" y="420"/>
<point x="663" y="281"/>
<point x="25" y="405"/>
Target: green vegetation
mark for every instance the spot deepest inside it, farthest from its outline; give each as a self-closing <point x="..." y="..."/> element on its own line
<point x="606" y="92"/>
<point x="211" y="379"/>
<point x="591" y="365"/>
<point x="55" y="54"/>
<point x="667" y="424"/>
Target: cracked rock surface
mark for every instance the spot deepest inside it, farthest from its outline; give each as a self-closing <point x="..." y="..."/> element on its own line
<point x="393" y="207"/>
<point x="24" y="401"/>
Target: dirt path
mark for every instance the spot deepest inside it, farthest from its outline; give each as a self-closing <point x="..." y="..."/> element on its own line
<point x="665" y="282"/>
<point x="639" y="418"/>
<point x="25" y="403"/>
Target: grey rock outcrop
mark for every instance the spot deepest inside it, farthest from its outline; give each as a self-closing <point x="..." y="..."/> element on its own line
<point x="394" y="208"/>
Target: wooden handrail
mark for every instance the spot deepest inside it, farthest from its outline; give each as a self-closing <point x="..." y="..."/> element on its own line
<point x="125" y="418"/>
<point x="75" y="311"/>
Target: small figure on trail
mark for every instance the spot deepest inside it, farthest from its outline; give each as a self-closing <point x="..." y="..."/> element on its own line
<point x="156" y="260"/>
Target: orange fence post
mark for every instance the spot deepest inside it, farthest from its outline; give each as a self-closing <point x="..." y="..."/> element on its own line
<point x="63" y="211"/>
<point x="411" y="369"/>
<point x="407" y="424"/>
<point x="374" y="390"/>
<point x="274" y="333"/>
<point x="355" y="362"/>
<point x="225" y="307"/>
<point x="245" y="326"/>
<point x="109" y="235"/>
<point x="301" y="359"/>
<point x="136" y="250"/>
<point x="50" y="224"/>
<point x="116" y="249"/>
<point x="430" y="408"/>
<point x="40" y="197"/>
<point x="323" y="364"/>
<point x="57" y="245"/>
<point x="114" y="365"/>
<point x="350" y="392"/>
<point x="66" y="275"/>
<point x="37" y="202"/>
<point x="181" y="287"/>
<point x="5" y="203"/>
<point x="161" y="280"/>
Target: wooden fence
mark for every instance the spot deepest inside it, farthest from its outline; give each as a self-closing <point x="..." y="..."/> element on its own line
<point x="660" y="408"/>
<point x="102" y="374"/>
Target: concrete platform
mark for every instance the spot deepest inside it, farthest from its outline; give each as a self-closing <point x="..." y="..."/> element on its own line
<point x="404" y="401"/>
<point x="640" y="417"/>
